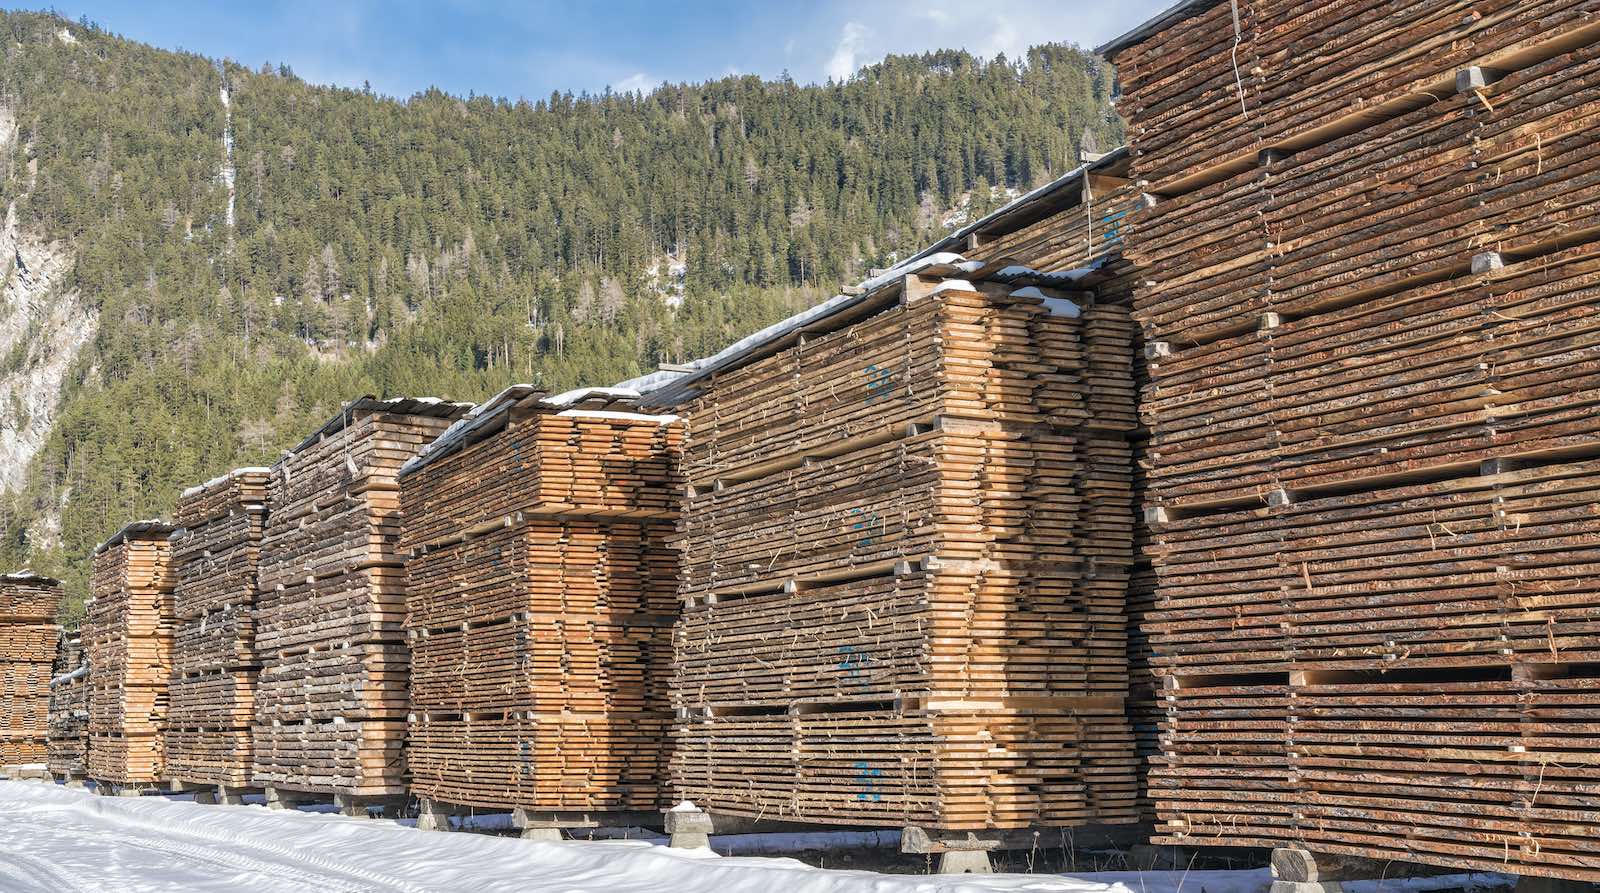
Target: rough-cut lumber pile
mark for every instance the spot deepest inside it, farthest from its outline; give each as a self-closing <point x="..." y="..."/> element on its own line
<point x="214" y="664"/>
<point x="1052" y="233"/>
<point x="541" y="593"/>
<point x="127" y="630"/>
<point x="69" y="709"/>
<point x="1368" y="279"/>
<point x="906" y="551"/>
<point x="28" y="634"/>
<point x="330" y="699"/>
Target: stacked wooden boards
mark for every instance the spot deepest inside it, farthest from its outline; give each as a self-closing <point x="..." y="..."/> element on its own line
<point x="28" y="634"/>
<point x="906" y="549"/>
<point x="330" y="701"/>
<point x="128" y="630"/>
<point x="1077" y="224"/>
<point x="68" y="749"/>
<point x="214" y="664"/>
<point x="541" y="593"/>
<point x="1375" y="349"/>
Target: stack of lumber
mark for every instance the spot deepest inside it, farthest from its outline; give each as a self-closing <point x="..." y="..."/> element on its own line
<point x="1078" y="223"/>
<point x="69" y="709"/>
<point x="330" y="698"/>
<point x="906" y="550"/>
<point x="1368" y="280"/>
<point x="128" y="630"/>
<point x="28" y="634"/>
<point x="541" y="594"/>
<point x="214" y="663"/>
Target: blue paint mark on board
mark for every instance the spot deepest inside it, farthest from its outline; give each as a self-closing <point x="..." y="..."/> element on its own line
<point x="867" y="783"/>
<point x="879" y="382"/>
<point x="853" y="662"/>
<point x="865" y="521"/>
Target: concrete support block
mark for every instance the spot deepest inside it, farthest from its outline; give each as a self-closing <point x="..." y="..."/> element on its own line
<point x="278" y="798"/>
<point x="965" y="862"/>
<point x="1307" y="887"/>
<point x="230" y="796"/>
<point x="689" y="828"/>
<point x="432" y="816"/>
<point x="351" y="806"/>
<point x="548" y="835"/>
<point x="209" y="798"/>
<point x="1301" y="871"/>
<point x="129" y="791"/>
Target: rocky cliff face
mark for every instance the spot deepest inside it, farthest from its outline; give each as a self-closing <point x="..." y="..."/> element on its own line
<point x="43" y="328"/>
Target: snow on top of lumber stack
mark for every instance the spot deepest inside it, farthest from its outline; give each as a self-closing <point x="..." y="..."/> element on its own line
<point x="27" y="576"/>
<point x="147" y="529"/>
<point x="435" y="407"/>
<point x="671" y="386"/>
<point x="221" y="479"/>
<point x="615" y="403"/>
<point x="79" y="673"/>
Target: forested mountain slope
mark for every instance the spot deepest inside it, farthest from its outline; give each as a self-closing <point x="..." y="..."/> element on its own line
<point x="202" y="260"/>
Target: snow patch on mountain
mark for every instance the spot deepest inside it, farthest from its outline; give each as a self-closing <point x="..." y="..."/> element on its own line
<point x="228" y="174"/>
<point x="665" y="276"/>
<point x="961" y="214"/>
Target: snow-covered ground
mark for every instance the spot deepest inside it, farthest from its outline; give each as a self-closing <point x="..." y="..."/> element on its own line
<point x="56" y="840"/>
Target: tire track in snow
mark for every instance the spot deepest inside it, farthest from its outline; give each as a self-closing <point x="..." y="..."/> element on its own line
<point x="354" y="880"/>
<point x="34" y="870"/>
<point x="195" y="843"/>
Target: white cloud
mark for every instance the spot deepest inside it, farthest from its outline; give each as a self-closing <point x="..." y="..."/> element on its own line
<point x="1003" y="37"/>
<point x="873" y="30"/>
<point x="842" y="64"/>
<point x="638" y="82"/>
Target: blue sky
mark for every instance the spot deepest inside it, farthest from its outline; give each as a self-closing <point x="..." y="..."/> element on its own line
<point x="529" y="49"/>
